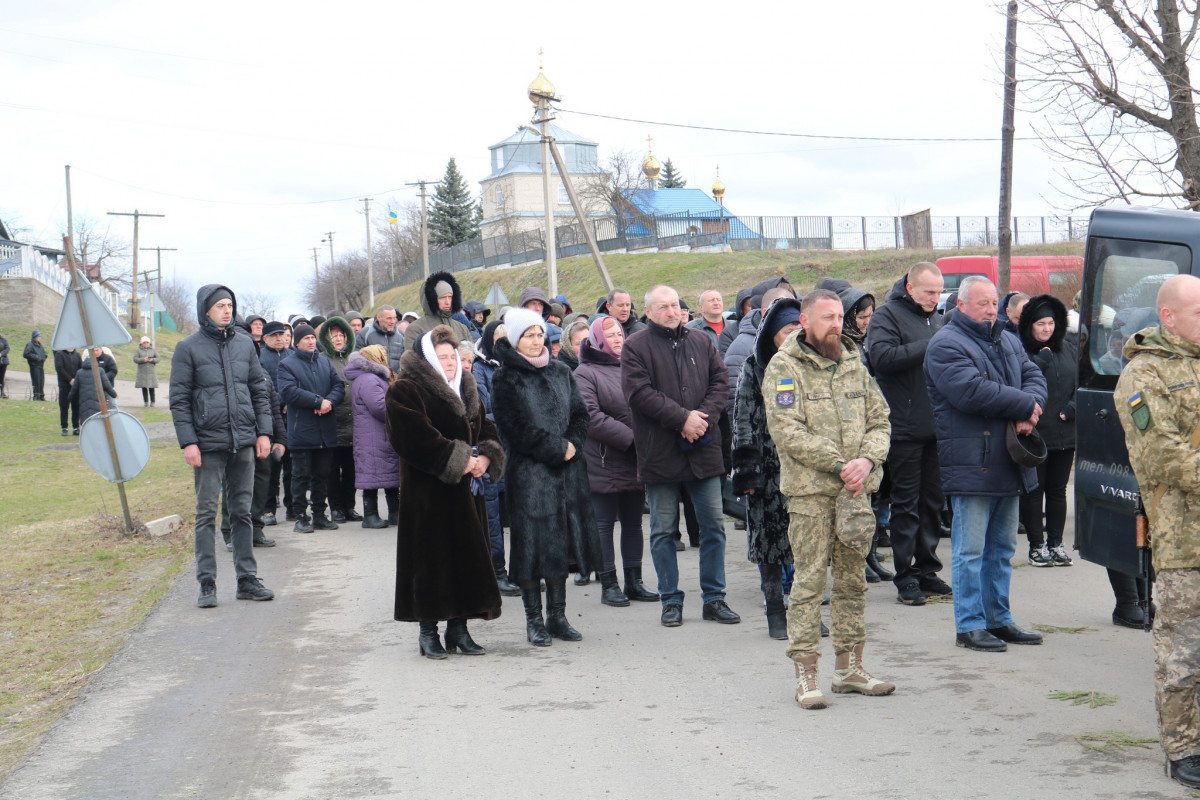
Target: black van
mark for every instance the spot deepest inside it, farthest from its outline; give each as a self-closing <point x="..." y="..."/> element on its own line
<point x="1130" y="253"/>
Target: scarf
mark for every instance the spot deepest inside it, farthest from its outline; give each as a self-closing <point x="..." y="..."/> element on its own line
<point x="430" y="354"/>
<point x="539" y="361"/>
<point x="598" y="339"/>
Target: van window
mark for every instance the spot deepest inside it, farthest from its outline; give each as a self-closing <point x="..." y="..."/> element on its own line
<point x="954" y="279"/>
<point x="1127" y="282"/>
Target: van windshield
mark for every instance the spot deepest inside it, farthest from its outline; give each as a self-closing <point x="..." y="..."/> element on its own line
<point x="954" y="279"/>
<point x="1127" y="283"/>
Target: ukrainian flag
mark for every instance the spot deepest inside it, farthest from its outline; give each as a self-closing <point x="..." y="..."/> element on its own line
<point x="392" y="218"/>
<point x="785" y="385"/>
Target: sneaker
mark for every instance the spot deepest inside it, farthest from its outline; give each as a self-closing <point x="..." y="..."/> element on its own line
<point x="323" y="523"/>
<point x="910" y="594"/>
<point x="1059" y="556"/>
<point x="672" y="615"/>
<point x="208" y="595"/>
<point x="718" y="611"/>
<point x="263" y="541"/>
<point x="933" y="585"/>
<point x="65" y="432"/>
<point x="680" y="546"/>
<point x="75" y="431"/>
<point x="303" y="525"/>
<point x="251" y="588"/>
<point x="1040" y="557"/>
<point x="228" y="541"/>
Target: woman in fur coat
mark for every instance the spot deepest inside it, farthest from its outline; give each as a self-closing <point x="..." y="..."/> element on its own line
<point x="446" y="443"/>
<point x="544" y="421"/>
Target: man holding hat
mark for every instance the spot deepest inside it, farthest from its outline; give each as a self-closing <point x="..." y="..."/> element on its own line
<point x="441" y="299"/>
<point x="222" y="414"/>
<point x="980" y="383"/>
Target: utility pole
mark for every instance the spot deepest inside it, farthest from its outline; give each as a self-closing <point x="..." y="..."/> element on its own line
<point x="159" y="251"/>
<point x="424" y="227"/>
<point x="133" y="302"/>
<point x="370" y="267"/>
<point x="1008" y="130"/>
<point x="316" y="281"/>
<point x="332" y="276"/>
<point x="541" y="94"/>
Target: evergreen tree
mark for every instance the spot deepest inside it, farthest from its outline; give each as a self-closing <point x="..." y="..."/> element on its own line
<point x="670" y="178"/>
<point x="452" y="214"/>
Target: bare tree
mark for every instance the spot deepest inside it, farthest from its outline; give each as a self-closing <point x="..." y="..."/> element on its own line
<point x="261" y="303"/>
<point x="399" y="243"/>
<point x="98" y="247"/>
<point x="617" y="187"/>
<point x="349" y="274"/>
<point x="1112" y="80"/>
<point x="179" y="298"/>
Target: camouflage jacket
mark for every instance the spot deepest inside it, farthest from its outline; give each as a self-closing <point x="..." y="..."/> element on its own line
<point x="821" y="414"/>
<point x="1158" y="401"/>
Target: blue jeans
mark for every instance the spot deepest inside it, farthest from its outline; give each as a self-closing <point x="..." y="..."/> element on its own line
<point x="983" y="539"/>
<point x="236" y="471"/>
<point x="491" y="501"/>
<point x="664" y="521"/>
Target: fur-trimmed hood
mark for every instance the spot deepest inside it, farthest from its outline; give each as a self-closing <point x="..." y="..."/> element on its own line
<point x="1034" y="311"/>
<point x="429" y="301"/>
<point x="358" y="365"/>
<point x="326" y="341"/>
<point x="764" y="346"/>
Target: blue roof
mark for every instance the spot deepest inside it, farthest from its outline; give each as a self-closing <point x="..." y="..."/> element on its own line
<point x="522" y="153"/>
<point x="684" y="203"/>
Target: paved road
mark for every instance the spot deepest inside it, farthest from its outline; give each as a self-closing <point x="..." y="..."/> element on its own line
<point x="19" y="387"/>
<point x="320" y="694"/>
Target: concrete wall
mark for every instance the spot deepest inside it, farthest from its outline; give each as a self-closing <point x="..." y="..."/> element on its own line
<point x="30" y="301"/>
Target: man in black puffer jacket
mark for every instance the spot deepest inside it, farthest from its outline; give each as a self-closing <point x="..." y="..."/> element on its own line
<point x="897" y="339"/>
<point x="222" y="414"/>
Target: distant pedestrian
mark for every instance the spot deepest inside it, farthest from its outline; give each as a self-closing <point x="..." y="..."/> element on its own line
<point x="66" y="364"/>
<point x="3" y="365"/>
<point x="146" y="357"/>
<point x="35" y="357"/>
<point x="82" y="392"/>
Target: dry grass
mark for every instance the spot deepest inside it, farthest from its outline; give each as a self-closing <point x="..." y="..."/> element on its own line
<point x="72" y="583"/>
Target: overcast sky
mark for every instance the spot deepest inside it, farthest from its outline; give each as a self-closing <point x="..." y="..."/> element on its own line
<point x="255" y="127"/>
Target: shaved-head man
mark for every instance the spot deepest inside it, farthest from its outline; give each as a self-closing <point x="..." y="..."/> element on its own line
<point x="1158" y="401"/>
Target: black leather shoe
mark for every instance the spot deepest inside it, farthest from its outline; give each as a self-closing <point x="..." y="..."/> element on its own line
<point x="1012" y="634"/>
<point x="910" y="594"/>
<point x="338" y="516"/>
<point x="1128" y="617"/>
<point x="353" y="516"/>
<point x="263" y="541"/>
<point x="320" y="523"/>
<point x="717" y="611"/>
<point x="457" y="638"/>
<point x="303" y="525"/>
<point x="980" y="640"/>
<point x="932" y="585"/>
<point x="1186" y="771"/>
<point x="672" y="615"/>
<point x="269" y="520"/>
<point x="429" y="644"/>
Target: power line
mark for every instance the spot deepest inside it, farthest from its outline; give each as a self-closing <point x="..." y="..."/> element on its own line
<point x="796" y="135"/>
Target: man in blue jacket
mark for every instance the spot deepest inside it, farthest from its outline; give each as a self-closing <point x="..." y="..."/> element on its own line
<point x="980" y="381"/>
<point x="222" y="415"/>
<point x="310" y="388"/>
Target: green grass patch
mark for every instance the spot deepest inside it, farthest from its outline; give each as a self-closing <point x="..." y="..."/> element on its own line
<point x="1079" y="697"/>
<point x="692" y="273"/>
<point x="1113" y="741"/>
<point x="72" y="585"/>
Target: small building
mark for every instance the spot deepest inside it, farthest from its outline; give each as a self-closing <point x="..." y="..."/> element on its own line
<point x="687" y="211"/>
<point x="512" y="195"/>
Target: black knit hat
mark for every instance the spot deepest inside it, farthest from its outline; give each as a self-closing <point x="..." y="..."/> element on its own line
<point x="302" y="330"/>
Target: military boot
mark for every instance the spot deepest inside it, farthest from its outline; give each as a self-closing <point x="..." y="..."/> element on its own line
<point x="808" y="694"/>
<point x="849" y="675"/>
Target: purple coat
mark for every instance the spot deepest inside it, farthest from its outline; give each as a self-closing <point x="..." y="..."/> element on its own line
<point x="376" y="465"/>
<point x="611" y="459"/>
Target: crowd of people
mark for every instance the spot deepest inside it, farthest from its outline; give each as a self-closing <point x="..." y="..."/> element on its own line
<point x="826" y="427"/>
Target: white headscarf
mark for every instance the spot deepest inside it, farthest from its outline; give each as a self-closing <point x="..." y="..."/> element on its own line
<point x="430" y="354"/>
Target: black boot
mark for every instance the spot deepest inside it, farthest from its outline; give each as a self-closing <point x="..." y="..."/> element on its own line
<point x="873" y="564"/>
<point x="372" y="519"/>
<point x="506" y="586"/>
<point x="429" y="645"/>
<point x="457" y="637"/>
<point x="883" y="536"/>
<point x="610" y="592"/>
<point x="1128" y="612"/>
<point x="635" y="589"/>
<point x="535" y="629"/>
<point x="771" y="582"/>
<point x="556" y="616"/>
<point x="393" y="517"/>
<point x="583" y="578"/>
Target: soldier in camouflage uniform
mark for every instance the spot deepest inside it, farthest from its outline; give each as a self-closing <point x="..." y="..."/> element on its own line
<point x="829" y="423"/>
<point x="1158" y="401"/>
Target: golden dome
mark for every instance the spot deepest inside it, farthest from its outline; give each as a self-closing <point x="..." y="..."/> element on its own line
<point x="541" y="87"/>
<point x="718" y="188"/>
<point x="651" y="167"/>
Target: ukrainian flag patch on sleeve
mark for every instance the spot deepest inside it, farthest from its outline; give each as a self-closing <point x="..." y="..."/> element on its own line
<point x="1139" y="411"/>
<point x="785" y="389"/>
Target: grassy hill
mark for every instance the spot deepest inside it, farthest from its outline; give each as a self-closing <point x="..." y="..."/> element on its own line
<point x="692" y="273"/>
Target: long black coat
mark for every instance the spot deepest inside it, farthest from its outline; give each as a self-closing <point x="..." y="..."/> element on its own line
<point x="1057" y="359"/>
<point x="84" y="390"/>
<point x="538" y="410"/>
<point x="755" y="459"/>
<point x="443" y="558"/>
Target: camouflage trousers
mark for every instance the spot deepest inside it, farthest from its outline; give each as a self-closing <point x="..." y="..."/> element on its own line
<point x="1177" y="661"/>
<point x="823" y="529"/>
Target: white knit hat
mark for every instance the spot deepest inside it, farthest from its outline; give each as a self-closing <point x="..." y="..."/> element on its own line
<point x="519" y="320"/>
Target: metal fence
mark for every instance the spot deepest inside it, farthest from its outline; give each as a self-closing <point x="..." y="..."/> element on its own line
<point x="701" y="231"/>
